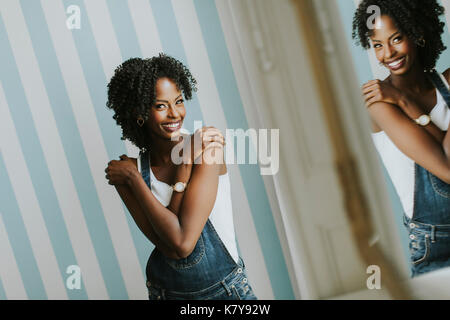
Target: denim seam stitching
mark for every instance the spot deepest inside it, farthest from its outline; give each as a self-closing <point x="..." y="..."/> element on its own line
<point x="196" y="293"/>
<point x="427" y="251"/>
<point x="443" y="194"/>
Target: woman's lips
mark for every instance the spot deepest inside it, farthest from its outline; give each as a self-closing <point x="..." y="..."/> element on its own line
<point x="172" y="127"/>
<point x="397" y="64"/>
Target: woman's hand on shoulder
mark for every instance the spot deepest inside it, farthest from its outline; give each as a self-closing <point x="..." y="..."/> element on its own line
<point x="120" y="171"/>
<point x="203" y="140"/>
<point x="380" y="91"/>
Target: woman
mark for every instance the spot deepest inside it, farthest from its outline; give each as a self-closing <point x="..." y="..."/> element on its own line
<point x="184" y="209"/>
<point x="406" y="38"/>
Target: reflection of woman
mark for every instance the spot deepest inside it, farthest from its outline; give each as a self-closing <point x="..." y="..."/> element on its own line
<point x="184" y="209"/>
<point x="406" y="39"/>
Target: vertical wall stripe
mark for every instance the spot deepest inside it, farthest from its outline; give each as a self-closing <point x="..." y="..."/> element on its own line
<point x="212" y="110"/>
<point x="18" y="238"/>
<point x="61" y="107"/>
<point x="49" y="267"/>
<point x="106" y="224"/>
<point x="108" y="276"/>
<point x="11" y="284"/>
<point x="254" y="185"/>
<point x="145" y="26"/>
<point x="15" y="96"/>
<point x="172" y="45"/>
<point x="124" y="29"/>
<point x="65" y="120"/>
<point x="47" y="134"/>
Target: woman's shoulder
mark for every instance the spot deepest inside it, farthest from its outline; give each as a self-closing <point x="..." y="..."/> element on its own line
<point x="135" y="161"/>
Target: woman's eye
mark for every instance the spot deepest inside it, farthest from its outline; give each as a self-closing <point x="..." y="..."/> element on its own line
<point x="160" y="106"/>
<point x="180" y="101"/>
<point x="376" y="46"/>
<point x="397" y="40"/>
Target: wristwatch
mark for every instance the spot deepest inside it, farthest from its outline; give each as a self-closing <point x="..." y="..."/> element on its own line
<point x="179" y="186"/>
<point x="423" y="120"/>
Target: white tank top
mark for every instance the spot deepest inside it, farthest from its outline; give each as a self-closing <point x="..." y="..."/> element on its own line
<point x="221" y="215"/>
<point x="401" y="168"/>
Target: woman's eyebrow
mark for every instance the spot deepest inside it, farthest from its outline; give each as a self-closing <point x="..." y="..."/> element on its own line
<point x="394" y="34"/>
<point x="159" y="100"/>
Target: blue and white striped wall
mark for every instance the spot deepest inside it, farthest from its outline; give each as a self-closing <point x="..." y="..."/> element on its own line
<point x="56" y="137"/>
<point x="367" y="68"/>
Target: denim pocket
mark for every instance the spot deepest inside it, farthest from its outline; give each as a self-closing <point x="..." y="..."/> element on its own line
<point x="191" y="260"/>
<point x="439" y="186"/>
<point x="419" y="246"/>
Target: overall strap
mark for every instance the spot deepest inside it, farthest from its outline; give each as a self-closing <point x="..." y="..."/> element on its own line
<point x="440" y="84"/>
<point x="145" y="168"/>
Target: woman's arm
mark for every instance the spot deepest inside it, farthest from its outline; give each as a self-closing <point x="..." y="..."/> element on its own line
<point x="414" y="111"/>
<point x="142" y="222"/>
<point x="412" y="140"/>
<point x="208" y="136"/>
<point x="381" y="91"/>
<point x="181" y="233"/>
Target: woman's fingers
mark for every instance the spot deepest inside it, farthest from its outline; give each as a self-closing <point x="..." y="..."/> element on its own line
<point x="216" y="138"/>
<point x="370" y="88"/>
<point x="371" y="101"/>
<point x="371" y="83"/>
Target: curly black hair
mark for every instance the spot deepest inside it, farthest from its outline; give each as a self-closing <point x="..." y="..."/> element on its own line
<point x="416" y="19"/>
<point x="132" y="91"/>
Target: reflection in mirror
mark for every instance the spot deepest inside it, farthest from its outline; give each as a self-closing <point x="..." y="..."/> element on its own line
<point x="409" y="109"/>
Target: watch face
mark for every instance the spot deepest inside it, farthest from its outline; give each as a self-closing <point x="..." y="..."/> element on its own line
<point x="424" y="120"/>
<point x="179" y="187"/>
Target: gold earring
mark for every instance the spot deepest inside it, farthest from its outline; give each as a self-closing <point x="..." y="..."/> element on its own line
<point x="140" y="121"/>
<point x="421" y="42"/>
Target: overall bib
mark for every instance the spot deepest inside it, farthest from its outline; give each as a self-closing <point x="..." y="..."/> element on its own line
<point x="429" y="228"/>
<point x="209" y="272"/>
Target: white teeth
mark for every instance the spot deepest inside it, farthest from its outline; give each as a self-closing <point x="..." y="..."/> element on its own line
<point x="396" y="63"/>
<point x="174" y="125"/>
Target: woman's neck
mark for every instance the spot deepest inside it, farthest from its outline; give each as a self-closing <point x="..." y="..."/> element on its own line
<point x="161" y="151"/>
<point x="414" y="81"/>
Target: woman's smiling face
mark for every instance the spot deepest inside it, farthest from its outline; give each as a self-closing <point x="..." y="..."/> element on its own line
<point x="167" y="114"/>
<point x="393" y="49"/>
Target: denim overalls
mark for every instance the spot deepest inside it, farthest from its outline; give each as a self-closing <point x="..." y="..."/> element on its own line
<point x="209" y="272"/>
<point x="429" y="228"/>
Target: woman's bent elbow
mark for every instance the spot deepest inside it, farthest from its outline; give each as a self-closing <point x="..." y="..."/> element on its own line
<point x="185" y="249"/>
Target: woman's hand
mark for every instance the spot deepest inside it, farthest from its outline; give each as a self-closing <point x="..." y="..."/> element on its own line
<point x="119" y="172"/>
<point x="203" y="139"/>
<point x="381" y="91"/>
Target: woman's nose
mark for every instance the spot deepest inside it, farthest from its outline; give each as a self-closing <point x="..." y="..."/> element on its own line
<point x="389" y="52"/>
<point x="173" y="112"/>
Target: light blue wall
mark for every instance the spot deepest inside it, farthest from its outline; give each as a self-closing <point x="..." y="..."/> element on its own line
<point x="57" y="199"/>
<point x="362" y="66"/>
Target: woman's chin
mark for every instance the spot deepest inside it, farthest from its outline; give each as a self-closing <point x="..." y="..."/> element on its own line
<point x="175" y="135"/>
